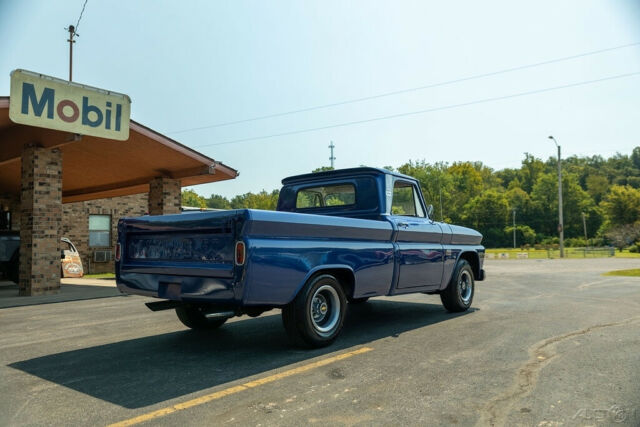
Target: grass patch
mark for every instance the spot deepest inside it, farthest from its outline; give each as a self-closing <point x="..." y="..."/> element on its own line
<point x="634" y="272"/>
<point x="100" y="276"/>
<point x="626" y="254"/>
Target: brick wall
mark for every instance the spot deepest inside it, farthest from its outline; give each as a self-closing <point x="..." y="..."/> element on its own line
<point x="75" y="216"/>
<point x="40" y="219"/>
<point x="75" y="224"/>
<point x="164" y="196"/>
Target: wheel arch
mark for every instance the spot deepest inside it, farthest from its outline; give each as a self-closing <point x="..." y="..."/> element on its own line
<point x="344" y="274"/>
<point x="473" y="259"/>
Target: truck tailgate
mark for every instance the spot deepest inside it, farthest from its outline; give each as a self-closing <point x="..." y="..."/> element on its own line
<point x="175" y="255"/>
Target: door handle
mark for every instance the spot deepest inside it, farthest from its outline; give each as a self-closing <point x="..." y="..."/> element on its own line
<point x="403" y="224"/>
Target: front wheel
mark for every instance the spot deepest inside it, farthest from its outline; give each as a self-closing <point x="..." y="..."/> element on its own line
<point x="315" y="317"/>
<point x="458" y="295"/>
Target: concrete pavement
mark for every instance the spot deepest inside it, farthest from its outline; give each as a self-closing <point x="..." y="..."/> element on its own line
<point x="548" y="342"/>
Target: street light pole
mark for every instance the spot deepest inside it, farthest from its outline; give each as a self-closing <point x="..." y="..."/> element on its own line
<point x="560" y="220"/>
<point x="514" y="229"/>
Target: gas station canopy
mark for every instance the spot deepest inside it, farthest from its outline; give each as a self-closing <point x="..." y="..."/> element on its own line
<point x="95" y="168"/>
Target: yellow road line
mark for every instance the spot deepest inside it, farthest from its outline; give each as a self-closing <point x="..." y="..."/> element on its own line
<point x="236" y="389"/>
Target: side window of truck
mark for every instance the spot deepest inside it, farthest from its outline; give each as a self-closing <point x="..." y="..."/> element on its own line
<point x="405" y="200"/>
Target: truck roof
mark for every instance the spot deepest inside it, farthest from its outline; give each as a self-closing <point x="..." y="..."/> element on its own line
<point x="338" y="173"/>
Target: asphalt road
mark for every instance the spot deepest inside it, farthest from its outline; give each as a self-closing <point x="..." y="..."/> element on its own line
<point x="547" y="343"/>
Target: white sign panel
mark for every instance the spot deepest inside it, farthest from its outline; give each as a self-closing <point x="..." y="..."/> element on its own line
<point x="48" y="102"/>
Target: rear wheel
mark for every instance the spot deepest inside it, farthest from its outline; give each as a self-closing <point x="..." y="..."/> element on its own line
<point x="194" y="318"/>
<point x="458" y="295"/>
<point x="315" y="317"/>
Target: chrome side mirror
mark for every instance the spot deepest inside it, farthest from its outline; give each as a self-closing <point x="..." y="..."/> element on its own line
<point x="430" y="211"/>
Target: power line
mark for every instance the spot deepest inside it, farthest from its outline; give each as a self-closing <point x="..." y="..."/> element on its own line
<point x="428" y="110"/>
<point x="81" y="12"/>
<point x="73" y="32"/>
<point x="401" y="91"/>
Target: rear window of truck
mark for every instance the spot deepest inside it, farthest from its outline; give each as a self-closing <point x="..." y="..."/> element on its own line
<point x="326" y="196"/>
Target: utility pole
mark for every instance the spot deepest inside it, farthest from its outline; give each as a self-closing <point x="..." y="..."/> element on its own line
<point x="514" y="229"/>
<point x="560" y="219"/>
<point x="584" y="225"/>
<point x="72" y="34"/>
<point x="332" y="158"/>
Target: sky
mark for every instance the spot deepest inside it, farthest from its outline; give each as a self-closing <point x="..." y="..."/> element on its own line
<point x="191" y="66"/>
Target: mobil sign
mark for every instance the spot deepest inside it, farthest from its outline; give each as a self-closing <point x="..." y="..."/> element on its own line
<point x="43" y="101"/>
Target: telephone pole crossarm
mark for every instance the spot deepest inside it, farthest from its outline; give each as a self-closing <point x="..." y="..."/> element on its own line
<point x="332" y="158"/>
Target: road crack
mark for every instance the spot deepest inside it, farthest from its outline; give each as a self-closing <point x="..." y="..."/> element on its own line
<point x="541" y="353"/>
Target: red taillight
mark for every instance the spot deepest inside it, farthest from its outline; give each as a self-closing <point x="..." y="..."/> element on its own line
<point x="117" y="252"/>
<point x="240" y="252"/>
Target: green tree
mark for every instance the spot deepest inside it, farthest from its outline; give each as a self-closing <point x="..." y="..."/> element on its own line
<point x="597" y="186"/>
<point x="544" y="197"/>
<point x="261" y="200"/>
<point x="622" y="236"/>
<point x="520" y="201"/>
<point x="436" y="184"/>
<point x="622" y="205"/>
<point x="191" y="198"/>
<point x="635" y="158"/>
<point x="323" y="169"/>
<point x="531" y="169"/>
<point x="472" y="194"/>
<point x="488" y="213"/>
<point x="525" y="235"/>
<point x="467" y="183"/>
<point x="215" y="201"/>
<point x="508" y="176"/>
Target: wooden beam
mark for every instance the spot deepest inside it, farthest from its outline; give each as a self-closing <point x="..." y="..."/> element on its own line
<point x="135" y="186"/>
<point x="14" y="138"/>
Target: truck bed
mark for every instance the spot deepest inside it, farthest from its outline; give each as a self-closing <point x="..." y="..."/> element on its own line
<point x="190" y="257"/>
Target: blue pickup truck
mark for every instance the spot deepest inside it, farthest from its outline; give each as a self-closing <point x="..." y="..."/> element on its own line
<point x="337" y="238"/>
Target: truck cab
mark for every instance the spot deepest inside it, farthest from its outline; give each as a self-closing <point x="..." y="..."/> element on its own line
<point x="424" y="251"/>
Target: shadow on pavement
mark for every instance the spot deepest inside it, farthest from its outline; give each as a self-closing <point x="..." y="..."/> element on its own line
<point x="9" y="295"/>
<point x="145" y="371"/>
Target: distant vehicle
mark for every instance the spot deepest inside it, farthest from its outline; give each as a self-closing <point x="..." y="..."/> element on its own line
<point x="70" y="262"/>
<point x="337" y="236"/>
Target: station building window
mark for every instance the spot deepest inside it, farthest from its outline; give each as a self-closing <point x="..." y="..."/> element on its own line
<point x="99" y="231"/>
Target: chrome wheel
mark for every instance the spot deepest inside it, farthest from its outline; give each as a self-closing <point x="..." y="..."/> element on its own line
<point x="315" y="316"/>
<point x="465" y="287"/>
<point x="325" y="310"/>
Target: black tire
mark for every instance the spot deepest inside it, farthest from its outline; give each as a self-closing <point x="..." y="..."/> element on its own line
<point x="193" y="318"/>
<point x="315" y="317"/>
<point x="458" y="295"/>
<point x="357" y="300"/>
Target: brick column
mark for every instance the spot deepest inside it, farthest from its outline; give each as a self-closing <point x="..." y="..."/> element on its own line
<point x="164" y="196"/>
<point x="40" y="221"/>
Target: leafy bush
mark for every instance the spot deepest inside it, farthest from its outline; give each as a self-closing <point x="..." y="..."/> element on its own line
<point x="575" y="242"/>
